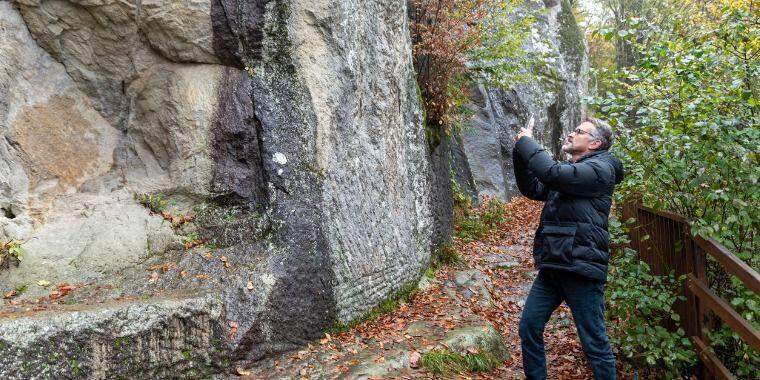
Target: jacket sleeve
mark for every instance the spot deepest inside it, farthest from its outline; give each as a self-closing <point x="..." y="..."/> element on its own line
<point x="584" y="178"/>
<point x="527" y="182"/>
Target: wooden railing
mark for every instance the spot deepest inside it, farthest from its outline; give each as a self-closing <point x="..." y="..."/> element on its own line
<point x="663" y="240"/>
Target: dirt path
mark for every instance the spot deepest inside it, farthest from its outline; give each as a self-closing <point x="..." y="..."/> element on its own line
<point x="458" y="298"/>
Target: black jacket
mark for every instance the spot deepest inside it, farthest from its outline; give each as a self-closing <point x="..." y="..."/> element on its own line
<point x="572" y="235"/>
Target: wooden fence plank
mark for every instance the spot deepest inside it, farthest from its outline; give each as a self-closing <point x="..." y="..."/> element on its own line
<point x="725" y="312"/>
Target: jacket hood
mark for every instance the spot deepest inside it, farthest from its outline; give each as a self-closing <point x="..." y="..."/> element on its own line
<point x="614" y="161"/>
<point x="619" y="171"/>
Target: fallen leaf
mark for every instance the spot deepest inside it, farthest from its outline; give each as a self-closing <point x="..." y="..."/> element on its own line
<point x="326" y="339"/>
<point x="242" y="372"/>
<point x="183" y="274"/>
<point x="201" y="276"/>
<point x="233" y="329"/>
<point x="43" y="283"/>
<point x="10" y="294"/>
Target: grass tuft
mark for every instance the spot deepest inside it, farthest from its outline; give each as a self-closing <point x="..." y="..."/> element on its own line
<point x="446" y="362"/>
<point x="474" y="223"/>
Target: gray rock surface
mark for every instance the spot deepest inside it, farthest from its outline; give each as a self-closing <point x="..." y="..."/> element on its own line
<point x="554" y="97"/>
<point x="290" y="129"/>
<point x="468" y="284"/>
<point x="164" y="338"/>
<point x="440" y="150"/>
<point x="481" y="337"/>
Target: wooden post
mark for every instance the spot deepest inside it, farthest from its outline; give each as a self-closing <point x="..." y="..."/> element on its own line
<point x="694" y="320"/>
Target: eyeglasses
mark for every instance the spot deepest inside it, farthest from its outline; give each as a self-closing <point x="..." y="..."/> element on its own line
<point x="579" y="131"/>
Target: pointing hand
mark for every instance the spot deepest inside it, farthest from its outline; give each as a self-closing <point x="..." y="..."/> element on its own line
<point x="528" y="131"/>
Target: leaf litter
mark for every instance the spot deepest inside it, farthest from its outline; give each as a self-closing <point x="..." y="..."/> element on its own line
<point x="336" y="355"/>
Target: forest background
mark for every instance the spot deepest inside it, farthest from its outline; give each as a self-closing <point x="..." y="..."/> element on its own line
<point x="677" y="80"/>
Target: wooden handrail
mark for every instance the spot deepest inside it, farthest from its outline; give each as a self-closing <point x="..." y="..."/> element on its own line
<point x="725" y="312"/>
<point x="714" y="365"/>
<point x="733" y="264"/>
<point x="665" y="214"/>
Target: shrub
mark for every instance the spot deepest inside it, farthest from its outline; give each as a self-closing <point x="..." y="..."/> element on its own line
<point x="687" y="117"/>
<point x="458" y="41"/>
<point x="10" y="252"/>
<point x="154" y="202"/>
<point x="471" y="224"/>
<point x="638" y="303"/>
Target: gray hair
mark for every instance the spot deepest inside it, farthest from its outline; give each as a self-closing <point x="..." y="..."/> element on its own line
<point x="603" y="132"/>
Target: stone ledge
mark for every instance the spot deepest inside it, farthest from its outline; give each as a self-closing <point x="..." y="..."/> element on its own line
<point x="172" y="336"/>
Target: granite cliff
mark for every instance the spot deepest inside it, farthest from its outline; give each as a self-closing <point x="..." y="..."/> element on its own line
<point x="289" y="130"/>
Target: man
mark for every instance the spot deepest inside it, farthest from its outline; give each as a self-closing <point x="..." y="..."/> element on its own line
<point x="570" y="248"/>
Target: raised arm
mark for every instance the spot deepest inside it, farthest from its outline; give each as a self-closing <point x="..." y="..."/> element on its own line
<point x="585" y="179"/>
<point x="527" y="182"/>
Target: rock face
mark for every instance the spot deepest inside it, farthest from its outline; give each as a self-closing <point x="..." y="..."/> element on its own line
<point x="482" y="161"/>
<point x="291" y="130"/>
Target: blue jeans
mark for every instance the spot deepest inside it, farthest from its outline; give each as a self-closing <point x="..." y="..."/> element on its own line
<point x="585" y="297"/>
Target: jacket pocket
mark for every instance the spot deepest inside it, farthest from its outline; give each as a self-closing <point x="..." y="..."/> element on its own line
<point x="558" y="243"/>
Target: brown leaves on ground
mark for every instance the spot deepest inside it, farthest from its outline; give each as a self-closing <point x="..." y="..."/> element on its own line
<point x="194" y="243"/>
<point x="512" y="241"/>
<point x="176" y="220"/>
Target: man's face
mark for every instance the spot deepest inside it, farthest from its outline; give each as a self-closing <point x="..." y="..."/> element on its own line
<point x="581" y="140"/>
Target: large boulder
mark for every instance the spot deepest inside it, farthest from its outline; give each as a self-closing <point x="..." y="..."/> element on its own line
<point x="290" y="130"/>
<point x="482" y="161"/>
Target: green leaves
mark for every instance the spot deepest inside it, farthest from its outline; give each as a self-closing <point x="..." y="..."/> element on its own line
<point x="638" y="302"/>
<point x="455" y="42"/>
<point x="688" y="126"/>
